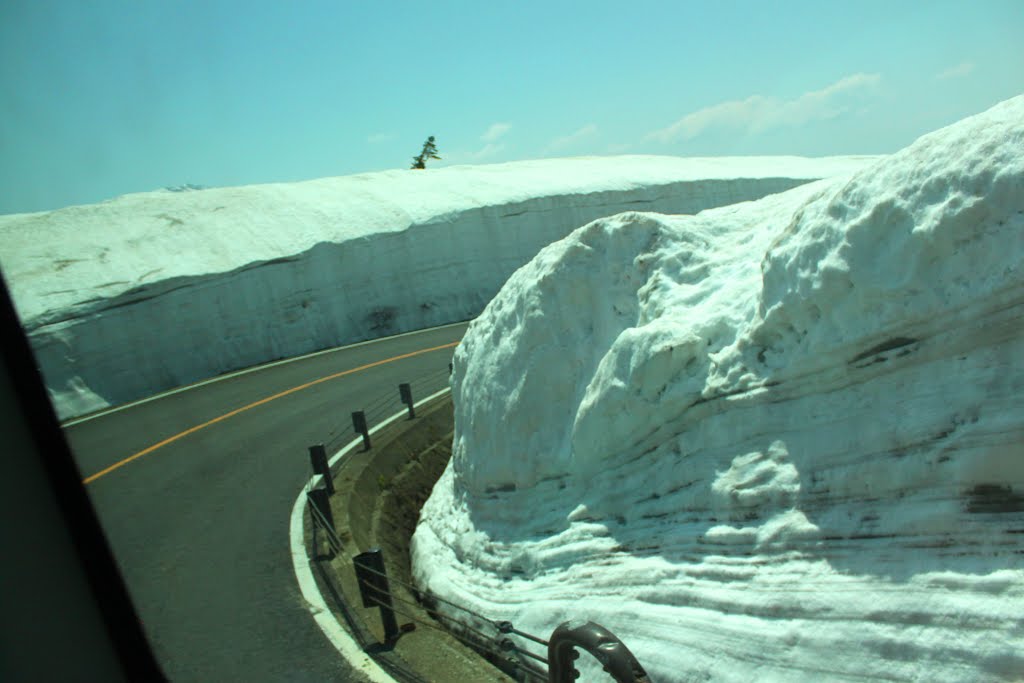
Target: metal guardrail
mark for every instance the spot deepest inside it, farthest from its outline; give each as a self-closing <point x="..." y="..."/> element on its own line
<point x="376" y="409"/>
<point x="319" y="504"/>
<point x="498" y="641"/>
<point x="488" y="637"/>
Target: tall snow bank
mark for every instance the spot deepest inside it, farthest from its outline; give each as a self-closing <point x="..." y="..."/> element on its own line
<point x="150" y="291"/>
<point x="780" y="440"/>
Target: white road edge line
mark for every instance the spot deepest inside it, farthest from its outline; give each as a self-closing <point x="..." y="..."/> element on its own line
<point x="156" y="397"/>
<point x="342" y="640"/>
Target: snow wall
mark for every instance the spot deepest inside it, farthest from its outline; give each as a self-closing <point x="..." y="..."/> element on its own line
<point x="150" y="291"/>
<point x="776" y="441"/>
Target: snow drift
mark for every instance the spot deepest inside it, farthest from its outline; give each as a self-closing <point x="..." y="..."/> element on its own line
<point x="780" y="440"/>
<point x="150" y="291"/>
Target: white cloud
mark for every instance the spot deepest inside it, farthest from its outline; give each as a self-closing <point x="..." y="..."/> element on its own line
<point x="495" y="131"/>
<point x="490" y="149"/>
<point x="574" y="137"/>
<point x="487" y="151"/>
<point x="759" y="113"/>
<point x="377" y="138"/>
<point x="957" y="71"/>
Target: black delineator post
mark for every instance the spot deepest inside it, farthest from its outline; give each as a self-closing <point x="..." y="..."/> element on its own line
<point x="359" y="424"/>
<point x="598" y="641"/>
<point x="373" y="587"/>
<point x="405" y="391"/>
<point x="318" y="457"/>
<point x="451" y="368"/>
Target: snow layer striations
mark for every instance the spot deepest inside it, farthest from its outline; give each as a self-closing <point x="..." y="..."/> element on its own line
<point x="780" y="440"/>
<point x="151" y="291"/>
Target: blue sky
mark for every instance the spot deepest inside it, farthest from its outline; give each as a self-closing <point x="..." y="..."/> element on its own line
<point x="102" y="98"/>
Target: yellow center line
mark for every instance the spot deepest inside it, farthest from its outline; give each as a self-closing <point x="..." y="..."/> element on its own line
<point x="268" y="399"/>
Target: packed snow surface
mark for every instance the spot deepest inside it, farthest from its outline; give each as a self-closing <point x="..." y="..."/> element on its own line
<point x="780" y="440"/>
<point x="150" y="291"/>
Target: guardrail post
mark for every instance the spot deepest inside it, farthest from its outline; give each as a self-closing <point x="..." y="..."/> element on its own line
<point x="359" y="424"/>
<point x="598" y="641"/>
<point x="318" y="457"/>
<point x="374" y="589"/>
<point x="405" y="391"/>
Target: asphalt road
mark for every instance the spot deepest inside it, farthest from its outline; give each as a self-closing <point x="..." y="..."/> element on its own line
<point x="199" y="525"/>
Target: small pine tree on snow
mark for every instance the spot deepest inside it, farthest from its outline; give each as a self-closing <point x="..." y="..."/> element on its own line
<point x="429" y="152"/>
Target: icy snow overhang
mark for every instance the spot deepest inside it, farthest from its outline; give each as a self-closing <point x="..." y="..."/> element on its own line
<point x="779" y="440"/>
<point x="244" y="275"/>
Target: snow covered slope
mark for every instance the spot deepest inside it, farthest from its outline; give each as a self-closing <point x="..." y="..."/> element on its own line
<point x="150" y="291"/>
<point x="776" y="441"/>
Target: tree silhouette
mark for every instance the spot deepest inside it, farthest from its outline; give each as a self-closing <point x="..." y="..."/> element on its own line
<point x="429" y="152"/>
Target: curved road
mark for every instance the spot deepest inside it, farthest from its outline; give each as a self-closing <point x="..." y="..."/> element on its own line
<point x="199" y="524"/>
